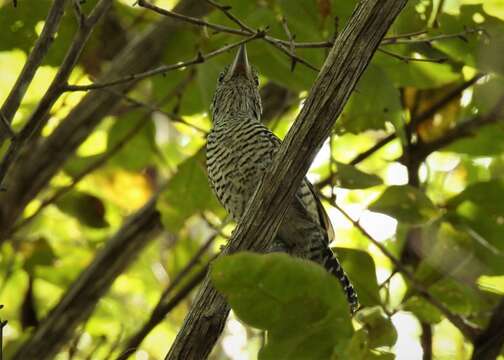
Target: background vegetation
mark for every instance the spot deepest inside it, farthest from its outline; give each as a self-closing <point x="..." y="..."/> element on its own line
<point x="107" y="222"/>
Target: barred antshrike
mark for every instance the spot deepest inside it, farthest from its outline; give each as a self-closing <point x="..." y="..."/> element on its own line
<point x="239" y="150"/>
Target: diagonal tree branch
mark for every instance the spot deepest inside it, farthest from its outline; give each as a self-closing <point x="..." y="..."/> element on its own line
<point x="489" y="343"/>
<point x="40" y="116"/>
<point x="80" y="299"/>
<point x="51" y="25"/>
<point x="344" y="65"/>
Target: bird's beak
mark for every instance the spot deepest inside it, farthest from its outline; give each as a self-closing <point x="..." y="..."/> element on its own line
<point x="240" y="65"/>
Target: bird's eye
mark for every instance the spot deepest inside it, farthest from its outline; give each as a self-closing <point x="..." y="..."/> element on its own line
<point x="256" y="80"/>
<point x="221" y="76"/>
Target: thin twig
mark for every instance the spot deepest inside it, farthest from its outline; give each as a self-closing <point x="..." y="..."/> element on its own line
<point x="193" y="20"/>
<point x="200" y="58"/>
<point x="226" y="10"/>
<point x="408" y="40"/>
<point x="407" y="59"/>
<point x="291" y="41"/>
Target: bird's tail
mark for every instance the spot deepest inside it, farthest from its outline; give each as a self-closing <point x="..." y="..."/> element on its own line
<point x="329" y="260"/>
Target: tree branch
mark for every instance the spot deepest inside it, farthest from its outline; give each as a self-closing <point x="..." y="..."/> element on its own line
<point x="488" y="344"/>
<point x="36" y="167"/>
<point x="40" y="116"/>
<point x="80" y="299"/>
<point x="13" y="100"/>
<point x="343" y="67"/>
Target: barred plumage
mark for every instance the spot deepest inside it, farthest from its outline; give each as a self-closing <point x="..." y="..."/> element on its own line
<point x="239" y="150"/>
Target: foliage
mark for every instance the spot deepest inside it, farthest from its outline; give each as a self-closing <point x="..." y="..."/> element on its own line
<point x="432" y="196"/>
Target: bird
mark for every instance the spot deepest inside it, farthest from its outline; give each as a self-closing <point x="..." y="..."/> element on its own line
<point x="239" y="150"/>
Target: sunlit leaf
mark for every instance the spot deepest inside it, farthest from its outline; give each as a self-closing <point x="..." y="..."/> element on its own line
<point x="350" y="177"/>
<point x="298" y="302"/>
<point x="406" y="204"/>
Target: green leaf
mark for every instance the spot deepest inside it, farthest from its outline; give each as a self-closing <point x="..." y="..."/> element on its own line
<point x="349" y="177"/>
<point x="380" y="328"/>
<point x="375" y="101"/>
<point x="405" y="203"/>
<point x="86" y="208"/>
<point x="188" y="193"/>
<point x="298" y="302"/>
<point x="479" y="51"/>
<point x="360" y="267"/>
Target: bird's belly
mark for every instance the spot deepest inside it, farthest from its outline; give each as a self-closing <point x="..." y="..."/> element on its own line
<point x="234" y="178"/>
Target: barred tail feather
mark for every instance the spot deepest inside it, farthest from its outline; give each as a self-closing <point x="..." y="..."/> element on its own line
<point x="333" y="266"/>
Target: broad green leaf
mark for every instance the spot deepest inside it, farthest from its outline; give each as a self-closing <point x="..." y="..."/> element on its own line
<point x="349" y="177"/>
<point x="88" y="209"/>
<point x="379" y="327"/>
<point x="187" y="193"/>
<point x="375" y="101"/>
<point x="406" y="204"/>
<point x="300" y="305"/>
<point x="360" y="267"/>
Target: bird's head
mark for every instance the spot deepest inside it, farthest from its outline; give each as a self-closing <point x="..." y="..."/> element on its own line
<point x="237" y="90"/>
